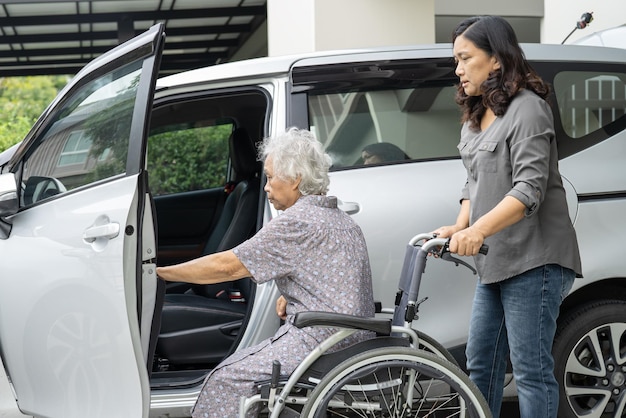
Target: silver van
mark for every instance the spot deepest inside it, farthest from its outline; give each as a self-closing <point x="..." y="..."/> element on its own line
<point x="124" y="172"/>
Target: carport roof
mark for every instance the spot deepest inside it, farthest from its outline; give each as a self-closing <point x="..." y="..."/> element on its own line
<point x="60" y="37"/>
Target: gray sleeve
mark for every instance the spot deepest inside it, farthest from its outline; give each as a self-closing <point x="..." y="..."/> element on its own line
<point x="529" y="145"/>
<point x="465" y="193"/>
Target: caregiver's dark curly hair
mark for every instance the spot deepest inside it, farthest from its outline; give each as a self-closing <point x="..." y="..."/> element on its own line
<point x="496" y="37"/>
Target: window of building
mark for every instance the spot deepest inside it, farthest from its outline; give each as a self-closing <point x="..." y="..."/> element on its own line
<point x="76" y="149"/>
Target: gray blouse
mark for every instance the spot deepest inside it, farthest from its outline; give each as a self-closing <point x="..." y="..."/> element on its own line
<point x="517" y="156"/>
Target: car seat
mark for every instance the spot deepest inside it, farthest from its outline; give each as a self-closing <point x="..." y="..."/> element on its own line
<point x="200" y="325"/>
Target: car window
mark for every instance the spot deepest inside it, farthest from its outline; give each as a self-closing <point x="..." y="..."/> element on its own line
<point x="589" y="101"/>
<point x="409" y="114"/>
<point x="188" y="156"/>
<point x="87" y="140"/>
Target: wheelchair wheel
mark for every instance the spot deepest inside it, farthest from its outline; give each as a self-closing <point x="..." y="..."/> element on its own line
<point x="429" y="344"/>
<point x="396" y="382"/>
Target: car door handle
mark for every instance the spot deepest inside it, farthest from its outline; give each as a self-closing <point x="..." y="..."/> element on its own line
<point x="109" y="231"/>
<point x="349" y="207"/>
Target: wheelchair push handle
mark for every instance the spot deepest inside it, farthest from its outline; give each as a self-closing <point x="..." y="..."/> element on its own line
<point x="440" y="248"/>
<point x="442" y="244"/>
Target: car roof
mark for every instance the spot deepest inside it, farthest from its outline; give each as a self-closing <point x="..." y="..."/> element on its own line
<point x="613" y="37"/>
<point x="268" y="66"/>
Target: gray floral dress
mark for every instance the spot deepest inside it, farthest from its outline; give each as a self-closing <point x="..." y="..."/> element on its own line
<point x="317" y="256"/>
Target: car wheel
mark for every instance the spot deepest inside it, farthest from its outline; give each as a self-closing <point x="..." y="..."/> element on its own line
<point x="590" y="360"/>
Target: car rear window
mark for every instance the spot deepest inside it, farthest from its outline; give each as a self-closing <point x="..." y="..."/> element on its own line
<point x="589" y="101"/>
<point x="383" y="112"/>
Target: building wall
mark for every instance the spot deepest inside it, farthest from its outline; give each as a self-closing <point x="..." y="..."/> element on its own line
<point x="315" y="25"/>
<point x="545" y="21"/>
<point x="381" y="23"/>
<point x="318" y="25"/>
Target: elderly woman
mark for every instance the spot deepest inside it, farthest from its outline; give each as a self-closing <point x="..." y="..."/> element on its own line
<point x="313" y="251"/>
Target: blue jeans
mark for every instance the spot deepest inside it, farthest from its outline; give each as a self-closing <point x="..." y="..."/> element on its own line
<point x="518" y="317"/>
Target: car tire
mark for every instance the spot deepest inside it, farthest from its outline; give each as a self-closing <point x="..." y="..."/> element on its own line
<point x="589" y="350"/>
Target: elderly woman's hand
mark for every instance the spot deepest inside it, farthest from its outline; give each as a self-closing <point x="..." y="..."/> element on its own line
<point x="281" y="307"/>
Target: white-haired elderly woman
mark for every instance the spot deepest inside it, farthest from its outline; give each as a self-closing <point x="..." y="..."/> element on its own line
<point x="314" y="252"/>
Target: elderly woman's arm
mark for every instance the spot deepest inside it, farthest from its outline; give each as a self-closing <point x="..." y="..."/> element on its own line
<point x="212" y="268"/>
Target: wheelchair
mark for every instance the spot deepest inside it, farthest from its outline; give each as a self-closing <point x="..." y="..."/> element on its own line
<point x="400" y="372"/>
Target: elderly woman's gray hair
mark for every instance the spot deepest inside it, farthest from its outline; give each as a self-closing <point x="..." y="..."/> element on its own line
<point x="297" y="153"/>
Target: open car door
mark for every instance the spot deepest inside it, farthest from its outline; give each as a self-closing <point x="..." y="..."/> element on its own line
<point x="77" y="255"/>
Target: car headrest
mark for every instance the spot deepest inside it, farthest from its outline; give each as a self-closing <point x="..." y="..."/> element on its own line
<point x="243" y="154"/>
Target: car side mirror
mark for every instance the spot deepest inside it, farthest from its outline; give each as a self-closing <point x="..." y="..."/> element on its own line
<point x="8" y="202"/>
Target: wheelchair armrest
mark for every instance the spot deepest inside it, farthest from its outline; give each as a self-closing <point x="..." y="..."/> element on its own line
<point x="308" y="319"/>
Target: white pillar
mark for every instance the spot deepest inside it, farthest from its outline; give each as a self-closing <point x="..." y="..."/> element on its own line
<point x="297" y="26"/>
